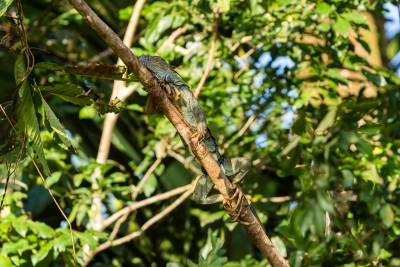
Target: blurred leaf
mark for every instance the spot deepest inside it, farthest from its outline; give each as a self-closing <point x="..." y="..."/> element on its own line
<point x="336" y="75"/>
<point x="150" y="186"/>
<point x="280" y="245"/>
<point x="348" y="178"/>
<point x="355" y="17"/>
<point x="43" y="252"/>
<point x="54" y="126"/>
<point x="323" y="9"/>
<point x="104" y="71"/>
<point x="43" y="230"/>
<point x="4" y="5"/>
<point x="341" y="25"/>
<point x="325" y="201"/>
<point x="327" y="121"/>
<point x="114" y="106"/>
<point x="387" y="215"/>
<point x="290" y="146"/>
<point x="376" y="79"/>
<point x="88" y="239"/>
<point x="224" y="5"/>
<point x="20" y="226"/>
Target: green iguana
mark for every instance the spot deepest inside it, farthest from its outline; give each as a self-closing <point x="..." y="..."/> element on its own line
<point x="182" y="97"/>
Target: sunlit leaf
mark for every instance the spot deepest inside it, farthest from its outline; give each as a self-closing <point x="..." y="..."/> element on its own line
<point x="342" y="26"/>
<point x="29" y="121"/>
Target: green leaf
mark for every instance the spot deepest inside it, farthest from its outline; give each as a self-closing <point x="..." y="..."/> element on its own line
<point x="135" y="107"/>
<point x="327" y="121"/>
<point x="324" y="26"/>
<point x="87" y="239"/>
<point x="55" y="128"/>
<point x="44" y="231"/>
<point x="325" y="201"/>
<point x="365" y="147"/>
<point x="9" y="146"/>
<point x="332" y="73"/>
<point x="376" y="79"/>
<point x="365" y="45"/>
<point x="62" y="242"/>
<point x="224" y="5"/>
<point x="284" y="2"/>
<point x="280" y="245"/>
<point x="319" y="220"/>
<point x="290" y="146"/>
<point x="299" y="126"/>
<point x="63" y="89"/>
<point x="42" y="253"/>
<point x="387" y="215"/>
<point x="385" y="255"/>
<point x="26" y="112"/>
<point x="5" y="262"/>
<point x="393" y="47"/>
<point x="20" y="225"/>
<point x="150" y="186"/>
<point x="15" y="247"/>
<point x="355" y="17"/>
<point x="114" y="106"/>
<point x="206" y="217"/>
<point x="4" y="5"/>
<point x="348" y="178"/>
<point x="103" y="71"/>
<point x="69" y="92"/>
<point x="87" y="113"/>
<point x="342" y="26"/>
<point x="323" y="9"/>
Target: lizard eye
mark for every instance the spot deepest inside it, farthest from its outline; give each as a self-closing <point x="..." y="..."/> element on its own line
<point x="169" y="78"/>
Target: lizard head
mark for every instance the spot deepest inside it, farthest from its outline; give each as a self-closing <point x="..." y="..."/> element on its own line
<point x="154" y="63"/>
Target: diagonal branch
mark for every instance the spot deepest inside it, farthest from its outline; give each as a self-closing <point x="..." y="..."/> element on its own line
<point x="200" y="150"/>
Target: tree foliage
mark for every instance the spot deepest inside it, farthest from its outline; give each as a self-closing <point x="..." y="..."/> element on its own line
<point x="293" y="86"/>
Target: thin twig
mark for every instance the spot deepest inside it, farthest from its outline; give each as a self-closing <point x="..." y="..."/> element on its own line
<point x="136" y="191"/>
<point x="118" y="225"/>
<point x="171" y="39"/>
<point x="273" y="199"/>
<point x="21" y="184"/>
<point x="184" y="161"/>
<point x="145" y="202"/>
<point x="241" y="131"/>
<point x="210" y="57"/>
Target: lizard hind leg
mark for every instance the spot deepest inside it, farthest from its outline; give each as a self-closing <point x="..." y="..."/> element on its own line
<point x="236" y="168"/>
<point x="202" y="190"/>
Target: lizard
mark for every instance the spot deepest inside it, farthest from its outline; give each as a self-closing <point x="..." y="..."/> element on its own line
<point x="182" y="98"/>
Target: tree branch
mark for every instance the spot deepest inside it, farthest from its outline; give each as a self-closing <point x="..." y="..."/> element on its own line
<point x="200" y="150"/>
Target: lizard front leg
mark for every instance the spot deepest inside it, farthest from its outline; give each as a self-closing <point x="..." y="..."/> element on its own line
<point x="202" y="190"/>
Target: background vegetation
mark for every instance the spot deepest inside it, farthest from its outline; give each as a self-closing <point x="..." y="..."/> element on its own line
<point x="305" y="89"/>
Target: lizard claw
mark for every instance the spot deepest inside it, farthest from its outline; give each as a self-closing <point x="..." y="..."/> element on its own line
<point x="232" y="211"/>
<point x="176" y="93"/>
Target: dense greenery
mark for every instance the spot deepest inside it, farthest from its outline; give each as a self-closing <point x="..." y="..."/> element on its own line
<point x="302" y="88"/>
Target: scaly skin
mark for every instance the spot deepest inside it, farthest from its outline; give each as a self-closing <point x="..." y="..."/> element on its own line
<point x="182" y="97"/>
